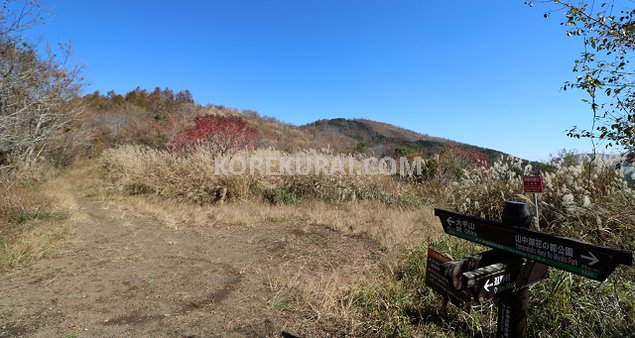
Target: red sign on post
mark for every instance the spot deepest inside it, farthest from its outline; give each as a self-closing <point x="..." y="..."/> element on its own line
<point x="533" y="184"/>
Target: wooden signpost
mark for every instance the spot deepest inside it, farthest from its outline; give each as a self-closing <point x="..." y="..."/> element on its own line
<point x="521" y="257"/>
<point x="585" y="259"/>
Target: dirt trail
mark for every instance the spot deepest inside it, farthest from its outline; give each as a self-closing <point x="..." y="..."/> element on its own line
<point x="122" y="274"/>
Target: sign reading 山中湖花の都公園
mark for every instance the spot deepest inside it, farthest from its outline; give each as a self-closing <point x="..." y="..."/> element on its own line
<point x="585" y="259"/>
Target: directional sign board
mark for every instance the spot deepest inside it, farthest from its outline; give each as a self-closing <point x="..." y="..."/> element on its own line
<point x="585" y="259"/>
<point x="455" y="270"/>
<point x="509" y="276"/>
<point x="439" y="283"/>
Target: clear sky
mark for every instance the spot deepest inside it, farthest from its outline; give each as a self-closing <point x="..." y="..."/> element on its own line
<point x="486" y="73"/>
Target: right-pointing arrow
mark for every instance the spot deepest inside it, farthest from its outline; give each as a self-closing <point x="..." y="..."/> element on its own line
<point x="592" y="259"/>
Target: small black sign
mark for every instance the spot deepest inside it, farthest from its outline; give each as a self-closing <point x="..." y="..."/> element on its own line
<point x="508" y="279"/>
<point x="585" y="259"/>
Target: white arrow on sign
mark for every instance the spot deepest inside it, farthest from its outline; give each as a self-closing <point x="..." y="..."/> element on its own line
<point x="592" y="259"/>
<point x="487" y="285"/>
<point x="450" y="221"/>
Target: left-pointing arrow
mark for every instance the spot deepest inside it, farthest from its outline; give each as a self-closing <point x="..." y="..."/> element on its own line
<point x="591" y="258"/>
<point x="487" y="285"/>
<point x="450" y="221"/>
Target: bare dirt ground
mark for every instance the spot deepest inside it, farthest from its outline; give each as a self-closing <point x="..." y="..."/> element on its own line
<point x="121" y="273"/>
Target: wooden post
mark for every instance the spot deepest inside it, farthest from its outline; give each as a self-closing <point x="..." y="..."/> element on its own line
<point x="513" y="307"/>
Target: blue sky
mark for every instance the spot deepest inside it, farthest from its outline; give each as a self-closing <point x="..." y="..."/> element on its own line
<point x="487" y="73"/>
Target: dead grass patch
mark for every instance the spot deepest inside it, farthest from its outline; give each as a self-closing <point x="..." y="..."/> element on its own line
<point x="33" y="208"/>
<point x="391" y="227"/>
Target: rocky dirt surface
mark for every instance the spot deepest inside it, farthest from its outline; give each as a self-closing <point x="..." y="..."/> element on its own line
<point x="120" y="273"/>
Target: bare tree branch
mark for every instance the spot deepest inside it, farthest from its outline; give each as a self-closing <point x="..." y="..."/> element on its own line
<point x="38" y="95"/>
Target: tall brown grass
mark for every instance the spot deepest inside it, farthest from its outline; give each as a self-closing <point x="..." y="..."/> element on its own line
<point x="142" y="170"/>
<point x="589" y="199"/>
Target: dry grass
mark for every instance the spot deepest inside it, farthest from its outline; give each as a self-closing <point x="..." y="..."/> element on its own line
<point x="392" y="228"/>
<point x="31" y="208"/>
<point x="28" y="243"/>
<point x="326" y="301"/>
<point x="277" y="134"/>
<point x="587" y="201"/>
<point x="139" y="170"/>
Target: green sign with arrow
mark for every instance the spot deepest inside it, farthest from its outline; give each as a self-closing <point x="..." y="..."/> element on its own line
<point x="585" y="259"/>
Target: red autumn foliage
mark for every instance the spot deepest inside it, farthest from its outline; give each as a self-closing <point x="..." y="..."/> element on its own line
<point x="470" y="155"/>
<point x="221" y="134"/>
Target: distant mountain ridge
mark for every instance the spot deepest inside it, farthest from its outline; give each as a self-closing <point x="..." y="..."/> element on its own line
<point x="383" y="138"/>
